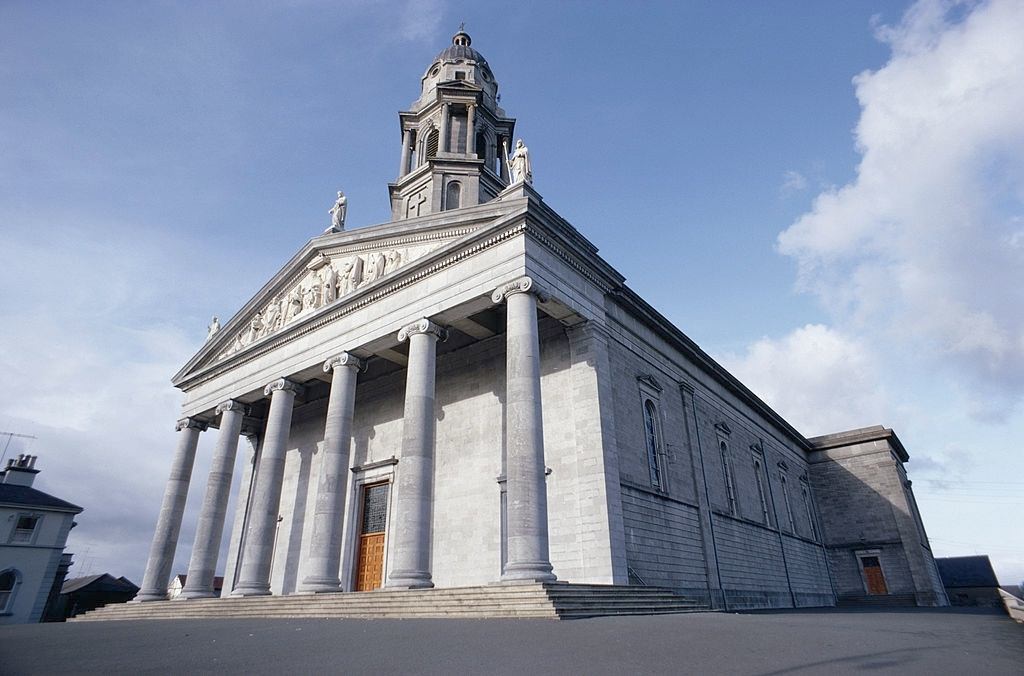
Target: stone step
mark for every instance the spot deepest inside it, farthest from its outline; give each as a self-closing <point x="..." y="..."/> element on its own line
<point x="876" y="600"/>
<point x="504" y="600"/>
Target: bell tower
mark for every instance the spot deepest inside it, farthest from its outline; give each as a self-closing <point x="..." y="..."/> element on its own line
<point x="452" y="137"/>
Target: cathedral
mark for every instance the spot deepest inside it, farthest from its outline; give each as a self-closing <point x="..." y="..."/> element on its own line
<point x="471" y="395"/>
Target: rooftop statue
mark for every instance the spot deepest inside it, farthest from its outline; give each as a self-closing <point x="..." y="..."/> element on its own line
<point x="519" y="163"/>
<point x="337" y="213"/>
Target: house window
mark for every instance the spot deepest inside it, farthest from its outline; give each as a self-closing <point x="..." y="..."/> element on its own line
<point x="759" y="478"/>
<point x="730" y="490"/>
<point x="653" y="438"/>
<point x="8" y="580"/>
<point x="25" y="528"/>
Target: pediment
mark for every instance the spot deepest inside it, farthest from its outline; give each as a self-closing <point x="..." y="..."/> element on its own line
<point x="326" y="273"/>
<point x="326" y="279"/>
<point x="337" y="271"/>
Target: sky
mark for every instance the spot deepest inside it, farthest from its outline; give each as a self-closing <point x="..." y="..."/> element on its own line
<point x="827" y="197"/>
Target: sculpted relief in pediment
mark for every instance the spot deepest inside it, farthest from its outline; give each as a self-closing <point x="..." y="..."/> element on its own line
<point x="328" y="279"/>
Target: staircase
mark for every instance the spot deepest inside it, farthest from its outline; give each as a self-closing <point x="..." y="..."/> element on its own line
<point x="548" y="600"/>
<point x="876" y="601"/>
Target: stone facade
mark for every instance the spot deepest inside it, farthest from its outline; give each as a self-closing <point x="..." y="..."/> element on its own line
<point x="530" y="416"/>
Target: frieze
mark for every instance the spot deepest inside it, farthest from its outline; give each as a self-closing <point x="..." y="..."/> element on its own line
<point x="327" y="280"/>
<point x="343" y="309"/>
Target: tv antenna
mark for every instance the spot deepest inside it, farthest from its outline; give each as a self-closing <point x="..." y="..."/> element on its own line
<point x="10" y="437"/>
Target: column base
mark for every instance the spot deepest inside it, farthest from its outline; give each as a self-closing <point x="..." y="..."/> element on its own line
<point x="195" y="594"/>
<point x="535" y="571"/>
<point x="319" y="585"/>
<point x="146" y="597"/>
<point x="409" y="580"/>
<point x="251" y="590"/>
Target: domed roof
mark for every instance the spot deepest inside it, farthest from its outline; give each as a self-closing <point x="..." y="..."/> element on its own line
<point x="460" y="49"/>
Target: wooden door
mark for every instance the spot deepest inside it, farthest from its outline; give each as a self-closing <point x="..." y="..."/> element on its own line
<point x="373" y="522"/>
<point x="873" y="576"/>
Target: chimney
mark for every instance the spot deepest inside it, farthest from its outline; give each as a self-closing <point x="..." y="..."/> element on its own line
<point x="20" y="471"/>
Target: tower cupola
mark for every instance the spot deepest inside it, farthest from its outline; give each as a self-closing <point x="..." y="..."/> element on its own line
<point x="452" y="136"/>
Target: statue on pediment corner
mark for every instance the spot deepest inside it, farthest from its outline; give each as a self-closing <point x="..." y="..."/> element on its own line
<point x="338" y="212"/>
<point x="519" y="163"/>
<point x="213" y="328"/>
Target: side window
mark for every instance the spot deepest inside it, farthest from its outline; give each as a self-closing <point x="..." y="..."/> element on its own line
<point x="652" y="434"/>
<point x="785" y="498"/>
<point x="8" y="581"/>
<point x="730" y="489"/>
<point x="759" y="478"/>
<point x="805" y="494"/>
<point x="25" y="528"/>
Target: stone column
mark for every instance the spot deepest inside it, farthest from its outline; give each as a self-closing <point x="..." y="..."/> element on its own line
<point x="324" y="555"/>
<point x="258" y="554"/>
<point x="210" y="529"/>
<point x="471" y="129"/>
<point x="442" y="141"/>
<point x="528" y="557"/>
<point x="406" y="152"/>
<point x="415" y="490"/>
<point x="168" y="525"/>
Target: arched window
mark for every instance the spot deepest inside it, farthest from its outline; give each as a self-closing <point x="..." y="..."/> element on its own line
<point x="653" y="437"/>
<point x="453" y="195"/>
<point x="430" y="146"/>
<point x="481" y="146"/>
<point x="8" y="581"/>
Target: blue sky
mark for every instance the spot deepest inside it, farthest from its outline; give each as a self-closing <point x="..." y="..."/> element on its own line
<point x="825" y="196"/>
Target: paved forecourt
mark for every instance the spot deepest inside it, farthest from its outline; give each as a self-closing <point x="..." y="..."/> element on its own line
<point x="904" y="641"/>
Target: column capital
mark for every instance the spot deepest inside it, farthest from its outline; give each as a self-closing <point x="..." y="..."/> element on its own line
<point x="422" y="326"/>
<point x="232" y="405"/>
<point x="521" y="285"/>
<point x="343" y="359"/>
<point x="283" y="384"/>
<point x="190" y="423"/>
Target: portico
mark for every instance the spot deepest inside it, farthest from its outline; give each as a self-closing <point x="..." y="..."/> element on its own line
<point x="504" y="322"/>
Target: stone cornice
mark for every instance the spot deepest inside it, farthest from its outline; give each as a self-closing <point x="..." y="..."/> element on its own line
<point x="343" y="359"/>
<point x="422" y="326"/>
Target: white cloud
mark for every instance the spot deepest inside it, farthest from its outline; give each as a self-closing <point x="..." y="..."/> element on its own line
<point x="792" y="181"/>
<point x="817" y="378"/>
<point x="920" y="246"/>
<point x="87" y="352"/>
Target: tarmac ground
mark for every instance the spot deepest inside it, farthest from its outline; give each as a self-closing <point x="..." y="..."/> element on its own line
<point x="815" y="641"/>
